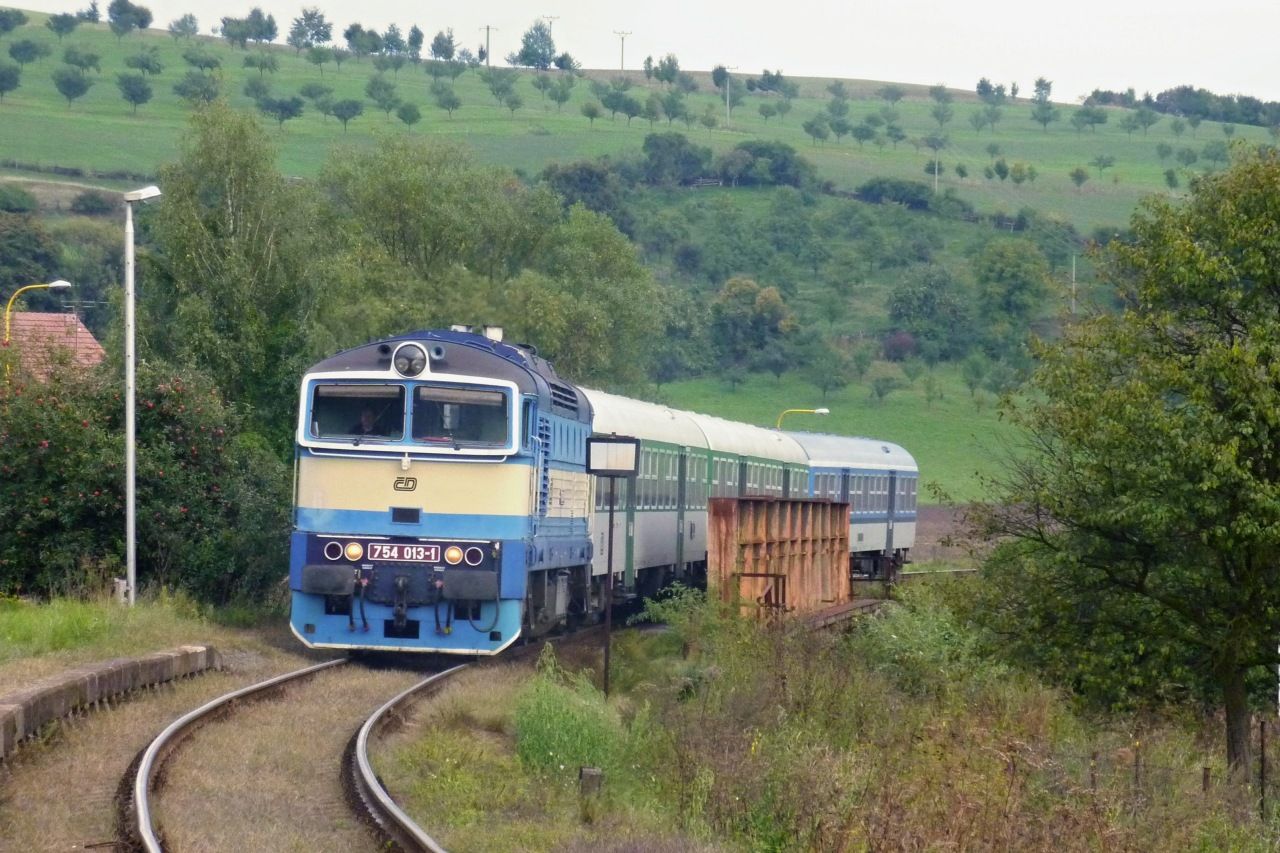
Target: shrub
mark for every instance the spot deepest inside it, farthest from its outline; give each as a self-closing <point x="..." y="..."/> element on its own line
<point x="92" y="203"/>
<point x="562" y="722"/>
<point x="212" y="501"/>
<point x="14" y="199"/>
<point x="913" y="194"/>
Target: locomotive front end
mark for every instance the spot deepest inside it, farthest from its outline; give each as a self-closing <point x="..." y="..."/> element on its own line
<point x="416" y="487"/>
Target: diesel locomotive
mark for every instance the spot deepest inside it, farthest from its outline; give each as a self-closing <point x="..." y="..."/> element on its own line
<point x="442" y="502"/>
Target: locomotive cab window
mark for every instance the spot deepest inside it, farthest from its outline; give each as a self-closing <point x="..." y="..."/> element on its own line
<point x="365" y="412"/>
<point x="471" y="416"/>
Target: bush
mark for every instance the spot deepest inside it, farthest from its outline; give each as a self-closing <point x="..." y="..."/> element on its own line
<point x="92" y="203"/>
<point x="212" y="502"/>
<point x="14" y="199"/>
<point x="562" y="722"/>
<point x="913" y="194"/>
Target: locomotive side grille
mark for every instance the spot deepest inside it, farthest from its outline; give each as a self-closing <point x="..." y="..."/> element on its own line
<point x="564" y="397"/>
<point x="544" y="464"/>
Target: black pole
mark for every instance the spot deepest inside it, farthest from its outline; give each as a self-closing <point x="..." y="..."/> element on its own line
<point x="608" y="585"/>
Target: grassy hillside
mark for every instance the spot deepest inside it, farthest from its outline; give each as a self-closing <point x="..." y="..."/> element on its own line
<point x="954" y="438"/>
<point x="99" y="132"/>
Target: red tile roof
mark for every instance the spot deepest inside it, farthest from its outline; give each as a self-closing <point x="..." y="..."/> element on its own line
<point x="38" y="336"/>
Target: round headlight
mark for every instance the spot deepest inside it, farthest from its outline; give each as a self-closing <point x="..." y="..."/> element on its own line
<point x="410" y="360"/>
<point x="333" y="550"/>
<point x="354" y="551"/>
<point x="474" y="556"/>
<point x="453" y="555"/>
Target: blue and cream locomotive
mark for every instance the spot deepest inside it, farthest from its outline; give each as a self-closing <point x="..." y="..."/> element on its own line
<point x="442" y="502"/>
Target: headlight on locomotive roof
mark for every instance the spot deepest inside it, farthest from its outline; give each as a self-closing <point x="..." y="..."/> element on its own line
<point x="354" y="551"/>
<point x="410" y="360"/>
<point x="453" y="555"/>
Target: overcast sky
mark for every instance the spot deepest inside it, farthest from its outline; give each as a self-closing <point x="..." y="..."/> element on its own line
<point x="1227" y="46"/>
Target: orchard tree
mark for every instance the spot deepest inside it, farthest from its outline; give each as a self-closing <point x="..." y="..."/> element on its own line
<point x="186" y="27"/>
<point x="10" y="20"/>
<point x="592" y="111"/>
<point x="62" y="24"/>
<point x="409" y="114"/>
<point x="71" y="83"/>
<point x="146" y="61"/>
<point x="447" y="99"/>
<point x="281" y="109"/>
<point x="318" y="56"/>
<point x="443" y="46"/>
<point x="83" y="60"/>
<point x="135" y="89"/>
<point x="25" y="51"/>
<point x="197" y="87"/>
<point x="264" y="62"/>
<point x="1143" y="525"/>
<point x="10" y="78"/>
<point x="344" y="111"/>
<point x="383" y="93"/>
<point x="124" y="17"/>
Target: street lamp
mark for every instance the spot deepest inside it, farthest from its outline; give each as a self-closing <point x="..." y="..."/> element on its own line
<point x="130" y="371"/>
<point x="823" y="411"/>
<point x="8" y="310"/>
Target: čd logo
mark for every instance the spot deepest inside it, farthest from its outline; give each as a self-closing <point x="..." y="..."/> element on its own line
<point x="406" y="484"/>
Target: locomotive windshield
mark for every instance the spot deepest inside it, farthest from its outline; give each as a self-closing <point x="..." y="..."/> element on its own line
<point x="358" y="412"/>
<point x="461" y="416"/>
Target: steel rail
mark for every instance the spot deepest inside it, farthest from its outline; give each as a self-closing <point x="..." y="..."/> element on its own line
<point x="155" y="754"/>
<point x="384" y="812"/>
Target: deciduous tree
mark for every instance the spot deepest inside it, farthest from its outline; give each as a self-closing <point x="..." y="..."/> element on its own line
<point x="135" y="89"/>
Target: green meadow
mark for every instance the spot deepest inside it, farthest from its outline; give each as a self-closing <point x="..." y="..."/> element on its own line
<point x="99" y="131"/>
<point x="957" y="438"/>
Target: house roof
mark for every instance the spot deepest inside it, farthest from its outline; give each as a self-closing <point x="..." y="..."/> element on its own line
<point x="38" y="337"/>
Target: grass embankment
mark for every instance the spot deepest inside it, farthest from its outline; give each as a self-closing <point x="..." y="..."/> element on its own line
<point x="37" y="640"/>
<point x="954" y="438"/>
<point x="904" y="734"/>
<point x="99" y="131"/>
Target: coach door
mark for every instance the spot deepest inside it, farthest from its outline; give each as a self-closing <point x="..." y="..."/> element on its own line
<point x="682" y="489"/>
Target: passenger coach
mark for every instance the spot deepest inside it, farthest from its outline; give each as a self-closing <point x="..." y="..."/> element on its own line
<point x="442" y="504"/>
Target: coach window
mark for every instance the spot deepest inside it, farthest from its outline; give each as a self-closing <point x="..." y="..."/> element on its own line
<point x="358" y="412"/>
<point x="471" y="416"/>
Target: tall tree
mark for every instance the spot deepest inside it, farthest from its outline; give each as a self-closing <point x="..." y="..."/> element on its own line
<point x="10" y="20"/>
<point x="240" y="248"/>
<point x="1150" y="503"/>
<point x="443" y="47"/>
<point x="537" y="48"/>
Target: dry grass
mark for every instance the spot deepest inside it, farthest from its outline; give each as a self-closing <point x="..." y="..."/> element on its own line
<point x="453" y="766"/>
<point x="267" y="778"/>
<point x="58" y="794"/>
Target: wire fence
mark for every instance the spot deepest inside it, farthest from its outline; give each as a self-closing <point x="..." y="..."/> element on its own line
<point x="1138" y="777"/>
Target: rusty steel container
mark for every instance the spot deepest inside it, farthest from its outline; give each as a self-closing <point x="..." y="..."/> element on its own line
<point x="776" y="556"/>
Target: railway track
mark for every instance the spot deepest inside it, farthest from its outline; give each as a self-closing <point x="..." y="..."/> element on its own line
<point x="141" y="823"/>
<point x="365" y="789"/>
<point x="135" y="798"/>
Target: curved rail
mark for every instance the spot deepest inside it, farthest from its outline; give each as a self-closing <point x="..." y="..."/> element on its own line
<point x="153" y="757"/>
<point x="381" y="809"/>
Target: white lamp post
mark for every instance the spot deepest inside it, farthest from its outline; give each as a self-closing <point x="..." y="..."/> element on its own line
<point x="822" y="411"/>
<point x="130" y="373"/>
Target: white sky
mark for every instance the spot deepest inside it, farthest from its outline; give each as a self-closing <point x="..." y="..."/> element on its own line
<point x="1227" y="46"/>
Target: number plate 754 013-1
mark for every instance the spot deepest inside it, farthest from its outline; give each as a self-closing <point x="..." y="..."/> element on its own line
<point x="403" y="552"/>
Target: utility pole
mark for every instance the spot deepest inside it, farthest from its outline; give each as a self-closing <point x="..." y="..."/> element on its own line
<point x="728" y="78"/>
<point x="551" y="21"/>
<point x="622" y="59"/>
<point x="1073" y="284"/>
<point x="487" y="53"/>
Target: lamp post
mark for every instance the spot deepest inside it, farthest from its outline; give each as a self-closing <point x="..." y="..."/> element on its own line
<point x="130" y="373"/>
<point x="823" y="411"/>
<point x="8" y="309"/>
